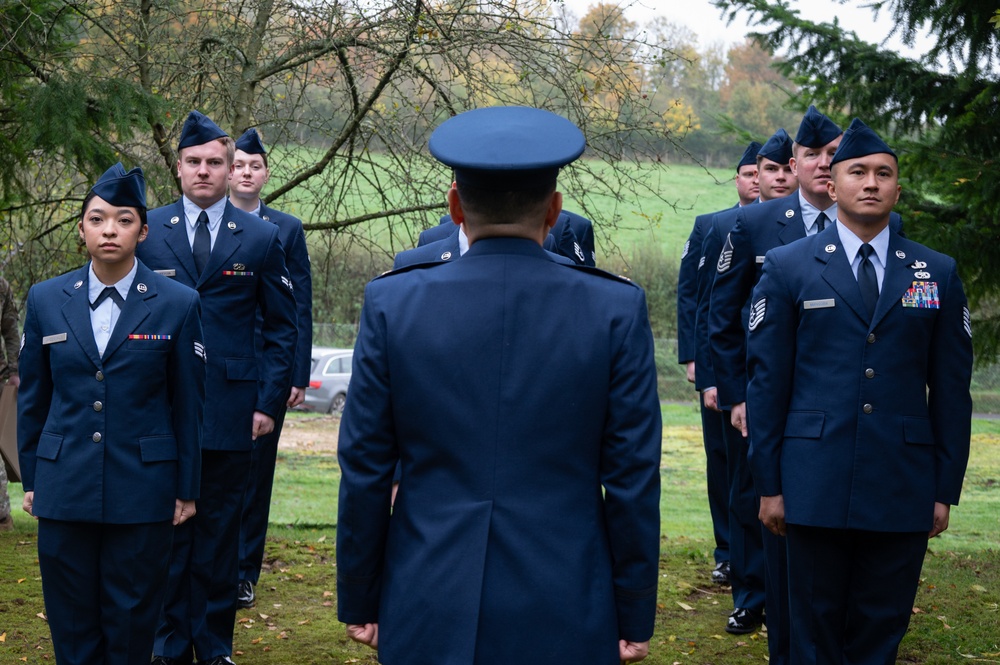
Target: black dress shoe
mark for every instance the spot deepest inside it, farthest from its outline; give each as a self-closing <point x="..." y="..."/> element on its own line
<point x="219" y="660"/>
<point x="743" y="621"/>
<point x="245" y="596"/>
<point x="721" y="573"/>
<point x="163" y="660"/>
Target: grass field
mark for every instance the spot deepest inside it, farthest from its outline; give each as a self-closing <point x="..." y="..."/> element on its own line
<point x="956" y="616"/>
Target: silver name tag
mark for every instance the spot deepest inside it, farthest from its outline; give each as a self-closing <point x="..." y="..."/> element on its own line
<point x="166" y="273"/>
<point x="819" y="304"/>
<point x="760" y="259"/>
<point x="52" y="339"/>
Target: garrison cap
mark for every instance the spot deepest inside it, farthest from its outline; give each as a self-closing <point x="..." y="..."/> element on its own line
<point x="816" y="130"/>
<point x="749" y="155"/>
<point x="250" y="143"/>
<point x="120" y="188"/>
<point x="506" y="148"/>
<point x="860" y="140"/>
<point x="198" y="129"/>
<point x="778" y="148"/>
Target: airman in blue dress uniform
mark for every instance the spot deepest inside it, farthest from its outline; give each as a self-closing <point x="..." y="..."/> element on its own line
<point x="528" y="520"/>
<point x="109" y="430"/>
<point x="235" y="261"/>
<point x="251" y="174"/>
<point x="689" y="276"/>
<point x="859" y="411"/>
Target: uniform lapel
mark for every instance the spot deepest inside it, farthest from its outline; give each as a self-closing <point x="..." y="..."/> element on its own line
<point x="226" y="243"/>
<point x="76" y="311"/>
<point x="176" y="239"/>
<point x="838" y="273"/>
<point x="792" y="227"/>
<point x="896" y="280"/>
<point x="134" y="312"/>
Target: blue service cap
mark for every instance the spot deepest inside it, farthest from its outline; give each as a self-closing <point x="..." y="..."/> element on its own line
<point x="778" y="148"/>
<point x="198" y="129"/>
<point x="120" y="188"/>
<point x="250" y="143"/>
<point x="816" y="130"/>
<point x="749" y="155"/>
<point x="860" y="140"/>
<point x="506" y="148"/>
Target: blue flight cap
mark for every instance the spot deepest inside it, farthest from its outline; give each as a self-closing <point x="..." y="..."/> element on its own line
<point x="816" y="130"/>
<point x="198" y="129"/>
<point x="250" y="143"/>
<point x="749" y="155"/>
<point x="506" y="148"/>
<point x="860" y="140"/>
<point x="778" y="148"/>
<point x="120" y="188"/>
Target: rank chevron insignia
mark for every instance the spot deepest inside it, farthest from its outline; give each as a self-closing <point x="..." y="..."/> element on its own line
<point x="726" y="256"/>
<point x="757" y="311"/>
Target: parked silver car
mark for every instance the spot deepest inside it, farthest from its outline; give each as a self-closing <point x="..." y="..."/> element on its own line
<point x="331" y="375"/>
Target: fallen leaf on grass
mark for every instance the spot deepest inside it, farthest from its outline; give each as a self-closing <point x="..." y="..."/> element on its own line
<point x="3" y="637"/>
<point x="282" y="635"/>
<point x="685" y="607"/>
<point x="944" y="623"/>
<point x="916" y="610"/>
<point x="263" y="616"/>
<point x="741" y="644"/>
<point x="716" y="637"/>
<point x="304" y="622"/>
<point x="41" y="615"/>
<point x="21" y="580"/>
<point x="327" y="594"/>
<point x="256" y="640"/>
<point x="322" y="539"/>
<point x="237" y="653"/>
<point x="299" y="576"/>
<point x="266" y="649"/>
<point x="328" y="604"/>
<point x="979" y="587"/>
<point x="245" y="620"/>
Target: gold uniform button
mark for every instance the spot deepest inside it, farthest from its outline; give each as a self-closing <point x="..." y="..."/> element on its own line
<point x="98" y="406"/>
<point x="867" y="408"/>
<point x="97" y="437"/>
<point x="871" y="338"/>
<point x="870" y="373"/>
<point x="99" y="376"/>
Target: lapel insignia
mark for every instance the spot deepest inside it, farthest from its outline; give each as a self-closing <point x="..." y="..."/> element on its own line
<point x="232" y="226"/>
<point x="757" y="312"/>
<point x="922" y="274"/>
<point x="789" y="214"/>
<point x="175" y="219"/>
<point x="900" y="254"/>
<point x="830" y="249"/>
<point x="445" y="256"/>
<point x="239" y="266"/>
<point x="266" y="218"/>
<point x="726" y="256"/>
<point x="922" y="295"/>
<point x="684" y="252"/>
<point x="141" y="288"/>
<point x="967" y="320"/>
<point x="918" y="265"/>
<point x="78" y="284"/>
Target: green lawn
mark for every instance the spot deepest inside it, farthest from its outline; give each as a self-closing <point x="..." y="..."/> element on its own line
<point x="955" y="619"/>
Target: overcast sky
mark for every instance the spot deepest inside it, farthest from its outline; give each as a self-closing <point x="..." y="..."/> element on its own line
<point x="706" y="20"/>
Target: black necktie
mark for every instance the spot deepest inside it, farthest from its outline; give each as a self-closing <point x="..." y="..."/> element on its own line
<point x="108" y="292"/>
<point x="821" y="222"/>
<point x="202" y="243"/>
<point x="867" y="279"/>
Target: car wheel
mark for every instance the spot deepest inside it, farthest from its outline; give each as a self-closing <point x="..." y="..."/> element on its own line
<point x="337" y="405"/>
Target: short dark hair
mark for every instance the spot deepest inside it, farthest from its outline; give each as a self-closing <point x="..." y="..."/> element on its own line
<point x="504" y="207"/>
<point x="90" y="197"/>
